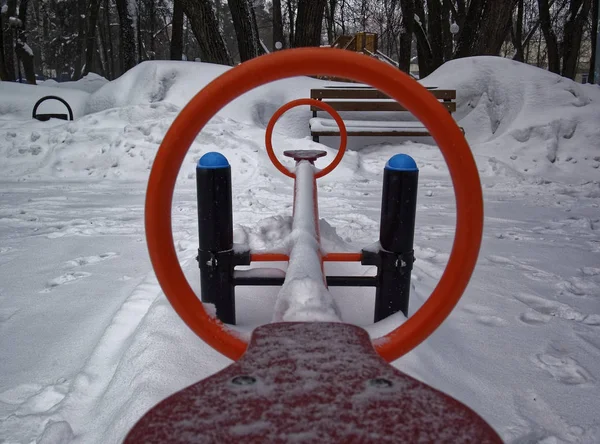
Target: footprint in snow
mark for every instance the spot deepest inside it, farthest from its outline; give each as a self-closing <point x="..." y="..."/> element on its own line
<point x="35" y="398"/>
<point x="64" y="279"/>
<point x="529" y="271"/>
<point x="580" y="286"/>
<point x="545" y="310"/>
<point x="563" y="368"/>
<point x="485" y="316"/>
<point x="7" y="313"/>
<point x="87" y="260"/>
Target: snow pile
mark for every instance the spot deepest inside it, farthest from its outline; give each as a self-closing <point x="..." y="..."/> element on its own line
<point x="127" y="119"/>
<point x="532" y="120"/>
<point x="89" y="83"/>
<point x="178" y="82"/>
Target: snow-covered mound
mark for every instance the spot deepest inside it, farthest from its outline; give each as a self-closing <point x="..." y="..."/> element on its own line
<point x="532" y="120"/>
<point x="177" y="82"/>
<point x="89" y="83"/>
<point x="17" y="100"/>
<point x="126" y="120"/>
<point x="150" y="82"/>
<point x="520" y="121"/>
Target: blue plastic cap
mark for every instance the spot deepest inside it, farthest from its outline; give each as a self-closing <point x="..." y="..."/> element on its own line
<point x="401" y="162"/>
<point x="213" y="160"/>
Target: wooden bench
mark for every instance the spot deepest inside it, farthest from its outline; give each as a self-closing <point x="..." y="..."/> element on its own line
<point x="362" y="98"/>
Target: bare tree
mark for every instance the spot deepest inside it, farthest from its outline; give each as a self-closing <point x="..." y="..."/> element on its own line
<point x="406" y="32"/>
<point x="127" y="35"/>
<point x="246" y="31"/>
<point x="90" y="48"/>
<point x="330" y="7"/>
<point x="8" y="23"/>
<point x="277" y="23"/>
<point x="308" y="23"/>
<point x="595" y="18"/>
<point x="549" y="36"/>
<point x="579" y="11"/>
<point x="204" y="24"/>
<point x="177" y="31"/>
<point x="3" y="71"/>
<point x="517" y="33"/>
<point x="22" y="49"/>
<point x="291" y="5"/>
<point x="485" y="27"/>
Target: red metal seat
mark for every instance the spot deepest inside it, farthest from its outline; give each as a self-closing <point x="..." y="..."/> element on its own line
<point x="311" y="382"/>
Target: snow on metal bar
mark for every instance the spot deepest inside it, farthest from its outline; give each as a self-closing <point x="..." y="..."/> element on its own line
<point x="304" y="297"/>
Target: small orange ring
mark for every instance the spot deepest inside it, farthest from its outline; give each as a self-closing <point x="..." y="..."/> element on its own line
<point x="329" y="62"/>
<point x="319" y="104"/>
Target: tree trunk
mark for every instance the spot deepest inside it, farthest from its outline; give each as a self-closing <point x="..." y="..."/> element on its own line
<point x="434" y="30"/>
<point x="290" y="11"/>
<point x="578" y="13"/>
<point x="277" y="24"/>
<point x="9" y="41"/>
<point x="308" y="23"/>
<point x="595" y="18"/>
<point x="3" y="73"/>
<point x="101" y="55"/>
<point x="407" y="7"/>
<point x="246" y="31"/>
<point x="81" y="39"/>
<point x="111" y="48"/>
<point x="22" y="49"/>
<point x="177" y="31"/>
<point x="90" y="48"/>
<point x="518" y="33"/>
<point x="423" y="46"/>
<point x="140" y="54"/>
<point x="549" y="36"/>
<point x="126" y="35"/>
<point x="204" y="24"/>
<point x="447" y="37"/>
<point x="330" y="20"/>
<point x="485" y="27"/>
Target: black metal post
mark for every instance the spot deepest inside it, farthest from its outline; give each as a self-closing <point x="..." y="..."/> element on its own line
<point x="397" y="229"/>
<point x="215" y="231"/>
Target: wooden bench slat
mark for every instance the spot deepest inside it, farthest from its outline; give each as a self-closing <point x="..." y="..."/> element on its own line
<point x="357" y="98"/>
<point x="367" y="93"/>
<point x="373" y="106"/>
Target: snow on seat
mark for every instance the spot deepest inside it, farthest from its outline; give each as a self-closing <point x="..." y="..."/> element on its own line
<point x="328" y="127"/>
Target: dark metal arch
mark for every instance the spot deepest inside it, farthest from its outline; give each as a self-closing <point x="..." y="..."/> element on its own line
<point x="44" y="117"/>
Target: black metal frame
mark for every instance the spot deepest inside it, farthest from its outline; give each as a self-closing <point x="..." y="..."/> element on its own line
<point x="45" y="117"/>
<point x="217" y="257"/>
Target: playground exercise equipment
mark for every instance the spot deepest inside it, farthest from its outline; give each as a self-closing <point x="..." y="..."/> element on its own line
<point x="48" y="116"/>
<point x="218" y="256"/>
<point x="308" y="381"/>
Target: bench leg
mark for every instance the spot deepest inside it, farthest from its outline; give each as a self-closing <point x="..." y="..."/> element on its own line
<point x="316" y="139"/>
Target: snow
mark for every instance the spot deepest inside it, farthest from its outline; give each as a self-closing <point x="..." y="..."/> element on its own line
<point x="88" y="342"/>
<point x="90" y="83"/>
<point x="320" y="124"/>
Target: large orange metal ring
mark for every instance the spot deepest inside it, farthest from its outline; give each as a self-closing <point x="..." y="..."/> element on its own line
<point x="325" y="107"/>
<point x="329" y="62"/>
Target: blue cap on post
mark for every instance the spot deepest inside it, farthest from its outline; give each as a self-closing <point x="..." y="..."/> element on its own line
<point x="213" y="160"/>
<point x="401" y="162"/>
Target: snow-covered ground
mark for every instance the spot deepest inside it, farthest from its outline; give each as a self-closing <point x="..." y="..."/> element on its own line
<point x="88" y="341"/>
